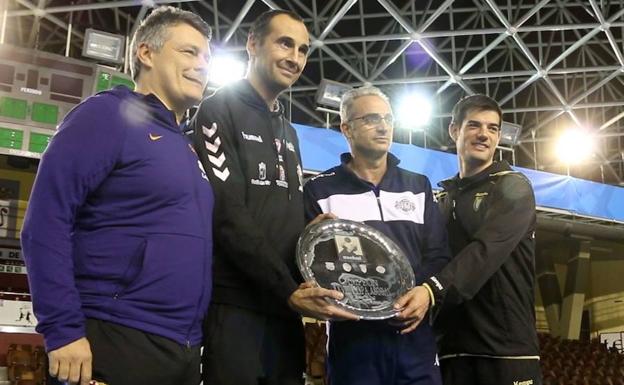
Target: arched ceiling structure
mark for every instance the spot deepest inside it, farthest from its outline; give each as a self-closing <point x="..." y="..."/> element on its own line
<point x="551" y="64"/>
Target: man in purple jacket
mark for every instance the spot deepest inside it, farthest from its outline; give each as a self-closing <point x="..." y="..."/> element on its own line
<point x="117" y="236"/>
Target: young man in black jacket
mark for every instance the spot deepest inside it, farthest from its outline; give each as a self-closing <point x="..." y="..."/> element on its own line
<point x="253" y="334"/>
<point x="485" y="310"/>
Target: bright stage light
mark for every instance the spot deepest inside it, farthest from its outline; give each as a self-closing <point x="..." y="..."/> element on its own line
<point x="575" y="146"/>
<point x="414" y="111"/>
<point x="225" y="69"/>
<point x="329" y="93"/>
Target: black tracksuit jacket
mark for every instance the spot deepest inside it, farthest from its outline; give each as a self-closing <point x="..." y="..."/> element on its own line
<point x="251" y="156"/>
<point x="485" y="295"/>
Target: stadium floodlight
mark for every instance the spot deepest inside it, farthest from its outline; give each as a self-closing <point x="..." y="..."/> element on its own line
<point x="225" y="69"/>
<point x="103" y="46"/>
<point x="574" y="146"/>
<point x="330" y="93"/>
<point x="510" y="133"/>
<point x="414" y="111"/>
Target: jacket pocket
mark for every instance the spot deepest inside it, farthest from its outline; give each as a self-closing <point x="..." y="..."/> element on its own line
<point x="174" y="271"/>
<point x="105" y="263"/>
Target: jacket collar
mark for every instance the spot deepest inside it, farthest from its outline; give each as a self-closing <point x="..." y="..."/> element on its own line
<point x="251" y="97"/>
<point x="346" y="157"/>
<point x="151" y="106"/>
<point x="457" y="183"/>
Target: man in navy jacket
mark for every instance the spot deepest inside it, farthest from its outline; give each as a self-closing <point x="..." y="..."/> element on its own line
<point x="370" y="187"/>
<point x="117" y="236"/>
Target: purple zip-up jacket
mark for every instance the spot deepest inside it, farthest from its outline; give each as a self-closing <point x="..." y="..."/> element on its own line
<point x="119" y="224"/>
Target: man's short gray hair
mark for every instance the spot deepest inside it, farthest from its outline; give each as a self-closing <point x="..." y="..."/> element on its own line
<point x="153" y="31"/>
<point x="346" y="103"/>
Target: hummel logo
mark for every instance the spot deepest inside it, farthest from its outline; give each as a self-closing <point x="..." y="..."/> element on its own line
<point x="217" y="161"/>
<point x="213" y="147"/>
<point x="209" y="132"/>
<point x="223" y="175"/>
<point x="154" y="137"/>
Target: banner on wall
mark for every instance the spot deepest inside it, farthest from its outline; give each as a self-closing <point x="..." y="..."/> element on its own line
<point x="321" y="149"/>
<point x="17" y="313"/>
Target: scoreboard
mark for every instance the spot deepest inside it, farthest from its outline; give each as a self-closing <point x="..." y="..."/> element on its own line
<point x="37" y="89"/>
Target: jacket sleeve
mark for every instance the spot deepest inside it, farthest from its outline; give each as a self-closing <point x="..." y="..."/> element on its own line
<point x="435" y="248"/>
<point x="236" y="232"/>
<point x="310" y="205"/>
<point x="509" y="219"/>
<point x="78" y="159"/>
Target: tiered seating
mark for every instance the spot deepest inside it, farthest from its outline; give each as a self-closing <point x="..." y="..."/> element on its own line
<point x="566" y="362"/>
<point x="316" y="339"/>
<point x="25" y="365"/>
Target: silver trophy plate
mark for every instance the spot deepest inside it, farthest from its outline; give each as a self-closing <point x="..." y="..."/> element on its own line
<point x="365" y="265"/>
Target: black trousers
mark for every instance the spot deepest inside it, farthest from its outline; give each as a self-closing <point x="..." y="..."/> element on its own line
<point x="490" y="371"/>
<point x="242" y="347"/>
<point x="126" y="356"/>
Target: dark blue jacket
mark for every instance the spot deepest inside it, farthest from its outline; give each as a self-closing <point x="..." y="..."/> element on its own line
<point x="119" y="223"/>
<point x="401" y="207"/>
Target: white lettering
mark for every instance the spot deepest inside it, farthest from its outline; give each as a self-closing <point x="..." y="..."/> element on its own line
<point x="31" y="91"/>
<point x="259" y="182"/>
<point x="437" y="283"/>
<point x="255" y="138"/>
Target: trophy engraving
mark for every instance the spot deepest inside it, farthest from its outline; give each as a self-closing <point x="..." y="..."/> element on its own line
<point x="361" y="262"/>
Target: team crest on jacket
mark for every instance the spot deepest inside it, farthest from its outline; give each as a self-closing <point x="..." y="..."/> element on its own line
<point x="262" y="171"/>
<point x="477" y="200"/>
<point x="405" y="205"/>
<point x="262" y="176"/>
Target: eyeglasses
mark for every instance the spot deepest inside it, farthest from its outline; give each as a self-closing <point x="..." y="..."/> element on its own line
<point x="375" y="119"/>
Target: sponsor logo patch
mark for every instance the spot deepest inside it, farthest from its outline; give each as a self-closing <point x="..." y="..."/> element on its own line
<point x="437" y="283"/>
<point x="322" y="175"/>
<point x="253" y="138"/>
<point x="282" y="182"/>
<point x="259" y="182"/>
<point x="477" y="200"/>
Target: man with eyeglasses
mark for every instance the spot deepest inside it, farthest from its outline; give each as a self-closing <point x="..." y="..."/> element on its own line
<point x="369" y="186"/>
<point x="485" y="312"/>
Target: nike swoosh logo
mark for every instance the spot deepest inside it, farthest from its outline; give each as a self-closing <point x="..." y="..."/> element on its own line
<point x="155" y="137"/>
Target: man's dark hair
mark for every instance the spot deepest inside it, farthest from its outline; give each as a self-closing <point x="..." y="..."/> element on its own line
<point x="477" y="102"/>
<point x="153" y="31"/>
<point x="260" y="27"/>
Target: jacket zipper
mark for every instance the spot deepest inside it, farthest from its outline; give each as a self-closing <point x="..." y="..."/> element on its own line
<point x="201" y="296"/>
<point x="376" y="192"/>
